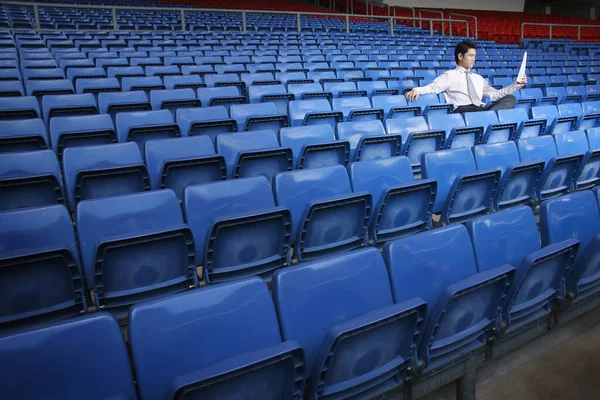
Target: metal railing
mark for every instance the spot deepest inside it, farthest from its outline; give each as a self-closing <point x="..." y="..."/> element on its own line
<point x="441" y="13"/>
<point x="550" y="28"/>
<point x="182" y="11"/>
<point x="476" y="36"/>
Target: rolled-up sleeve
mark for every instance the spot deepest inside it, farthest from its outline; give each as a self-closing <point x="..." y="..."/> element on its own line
<point x="440" y="84"/>
<point x="494" y="94"/>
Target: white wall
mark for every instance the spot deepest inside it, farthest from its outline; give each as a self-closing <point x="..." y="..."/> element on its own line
<point x="504" y="5"/>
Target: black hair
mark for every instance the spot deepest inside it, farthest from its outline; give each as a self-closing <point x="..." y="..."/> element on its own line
<point x="462" y="48"/>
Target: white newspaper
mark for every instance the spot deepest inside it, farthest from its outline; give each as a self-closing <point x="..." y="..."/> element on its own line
<point x="522" y="70"/>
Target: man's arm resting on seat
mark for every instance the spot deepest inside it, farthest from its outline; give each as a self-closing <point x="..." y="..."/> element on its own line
<point x="440" y="84"/>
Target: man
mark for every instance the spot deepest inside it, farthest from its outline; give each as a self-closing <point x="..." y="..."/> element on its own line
<point x="464" y="89"/>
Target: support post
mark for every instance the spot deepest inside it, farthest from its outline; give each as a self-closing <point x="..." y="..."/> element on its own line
<point x="36" y="15"/>
<point x="114" y="19"/>
<point x="298" y="22"/>
<point x="347" y="24"/>
<point x="244" y="21"/>
<point x="182" y="17"/>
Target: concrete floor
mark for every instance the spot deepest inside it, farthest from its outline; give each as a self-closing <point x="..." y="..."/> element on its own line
<point x="569" y="368"/>
<point x="563" y="364"/>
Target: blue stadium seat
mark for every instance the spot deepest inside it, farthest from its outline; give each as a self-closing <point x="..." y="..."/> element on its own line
<point x="238" y="230"/>
<point x="430" y="105"/>
<point x="12" y="108"/>
<point x="591" y="115"/>
<point x="368" y="140"/>
<point x="555" y="123"/>
<point x="526" y="127"/>
<point x="163" y="70"/>
<point x="375" y="88"/>
<point x="209" y="121"/>
<point x="114" y="103"/>
<point x="11" y="89"/>
<point x="315" y="146"/>
<point x="313" y="112"/>
<point x="183" y="82"/>
<point x="289" y="77"/>
<point x="358" y="343"/>
<point x="511" y="237"/>
<point x="564" y="97"/>
<point x="357" y="109"/>
<point x="247" y="356"/>
<point x="259" y="78"/>
<point x="87" y="130"/>
<point x="401" y="205"/>
<point x="41" y="279"/>
<point x="327" y="217"/>
<point x="494" y="130"/>
<point x="179" y="162"/>
<point x="463" y="304"/>
<point x="134" y="248"/>
<point x="102" y="171"/>
<point x="97" y="85"/>
<point x="463" y="192"/>
<point x="343" y="89"/>
<point x="254" y="153"/>
<point x="30" y="179"/>
<point x="307" y="91"/>
<point x="534" y="97"/>
<point x="458" y="134"/>
<point x="256" y="117"/>
<point x="418" y="138"/>
<point x="142" y="126"/>
<point x="519" y="180"/>
<point x="30" y="74"/>
<point x="23" y="135"/>
<point x="593" y="92"/>
<point x="75" y="73"/>
<point x="126" y="72"/>
<point x="67" y="105"/>
<point x="276" y="94"/>
<point x="395" y="106"/>
<point x="224" y="80"/>
<point x="41" y="352"/>
<point x="173" y="99"/>
<point x="575" y="216"/>
<point x="224" y="96"/>
<point x="44" y="87"/>
<point x="560" y="172"/>
<point x="146" y="84"/>
<point x="576" y="142"/>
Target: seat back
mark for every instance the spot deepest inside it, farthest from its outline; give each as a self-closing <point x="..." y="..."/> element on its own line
<point x="439" y="266"/>
<point x="444" y="167"/>
<point x="324" y="210"/>
<point x="42" y="352"/>
<point x="368" y="140"/>
<point x="254" y="153"/>
<point x="41" y="278"/>
<point x="142" y="126"/>
<point x="30" y="179"/>
<point x="346" y="351"/>
<point x="401" y="205"/>
<point x="13" y="108"/>
<point x="113" y="103"/>
<point x="65" y="105"/>
<point x="257" y="117"/>
<point x="243" y="327"/>
<point x="135" y="248"/>
<point x="237" y="230"/>
<point x="314" y="146"/>
<point x="179" y="162"/>
<point x="23" y="135"/>
<point x="103" y="171"/>
<point x="575" y="216"/>
<point x="76" y="131"/>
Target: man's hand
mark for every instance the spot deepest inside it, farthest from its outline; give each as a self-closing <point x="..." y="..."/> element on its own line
<point x="412" y="95"/>
<point x="523" y="82"/>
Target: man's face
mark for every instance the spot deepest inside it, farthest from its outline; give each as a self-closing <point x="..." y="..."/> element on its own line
<point x="467" y="60"/>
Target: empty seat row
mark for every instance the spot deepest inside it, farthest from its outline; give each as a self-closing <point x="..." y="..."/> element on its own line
<point x="439" y="296"/>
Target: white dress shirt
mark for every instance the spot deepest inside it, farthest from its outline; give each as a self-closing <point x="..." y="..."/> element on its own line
<point x="454" y="85"/>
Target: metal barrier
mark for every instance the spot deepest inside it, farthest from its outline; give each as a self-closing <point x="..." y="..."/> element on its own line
<point x="467" y="16"/>
<point x="441" y="13"/>
<point x="391" y="19"/>
<point x="550" y="28"/>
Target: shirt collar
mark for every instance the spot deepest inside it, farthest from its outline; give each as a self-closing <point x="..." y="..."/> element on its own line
<point x="462" y="69"/>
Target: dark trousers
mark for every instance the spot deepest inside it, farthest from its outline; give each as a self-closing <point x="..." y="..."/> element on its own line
<point x="505" y="103"/>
